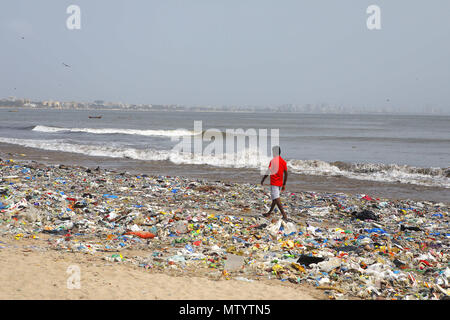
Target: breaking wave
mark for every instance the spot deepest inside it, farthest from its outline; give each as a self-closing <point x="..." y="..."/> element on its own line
<point x="433" y="177"/>
<point x="163" y="133"/>
<point x="250" y="158"/>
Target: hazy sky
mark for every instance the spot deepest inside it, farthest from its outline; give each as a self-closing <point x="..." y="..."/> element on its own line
<point x="255" y="52"/>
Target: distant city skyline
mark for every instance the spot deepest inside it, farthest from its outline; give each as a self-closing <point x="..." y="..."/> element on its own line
<point x="14" y="102"/>
<point x="230" y="53"/>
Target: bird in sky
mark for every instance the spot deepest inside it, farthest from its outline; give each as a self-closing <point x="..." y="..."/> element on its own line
<point x="66" y="65"/>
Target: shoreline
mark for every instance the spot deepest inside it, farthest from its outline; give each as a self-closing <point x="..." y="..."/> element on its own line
<point x="296" y="183"/>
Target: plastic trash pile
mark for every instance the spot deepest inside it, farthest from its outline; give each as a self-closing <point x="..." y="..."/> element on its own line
<point x="347" y="245"/>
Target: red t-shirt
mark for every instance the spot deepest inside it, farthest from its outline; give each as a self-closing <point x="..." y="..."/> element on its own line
<point x="277" y="171"/>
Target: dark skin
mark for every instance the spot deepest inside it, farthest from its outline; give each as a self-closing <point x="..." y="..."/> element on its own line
<point x="277" y="202"/>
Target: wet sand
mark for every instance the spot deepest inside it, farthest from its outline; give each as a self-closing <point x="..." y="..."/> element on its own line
<point x="296" y="182"/>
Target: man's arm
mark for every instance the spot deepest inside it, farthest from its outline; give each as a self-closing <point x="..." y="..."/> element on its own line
<point x="263" y="178"/>
<point x="267" y="173"/>
<point x="284" y="180"/>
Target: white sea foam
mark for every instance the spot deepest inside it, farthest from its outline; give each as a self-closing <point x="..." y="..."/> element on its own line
<point x="433" y="177"/>
<point x="248" y="158"/>
<point x="164" y="133"/>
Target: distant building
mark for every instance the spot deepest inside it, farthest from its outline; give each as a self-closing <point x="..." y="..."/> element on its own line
<point x="54" y="104"/>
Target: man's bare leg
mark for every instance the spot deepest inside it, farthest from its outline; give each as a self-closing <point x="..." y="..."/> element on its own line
<point x="271" y="209"/>
<point x="280" y="206"/>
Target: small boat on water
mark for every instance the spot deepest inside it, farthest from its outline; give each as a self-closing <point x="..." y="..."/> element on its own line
<point x="95" y="117"/>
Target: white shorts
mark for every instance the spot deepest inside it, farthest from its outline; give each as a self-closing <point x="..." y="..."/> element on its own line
<point x="274" y="192"/>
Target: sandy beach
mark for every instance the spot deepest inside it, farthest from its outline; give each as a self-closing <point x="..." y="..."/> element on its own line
<point x="30" y="273"/>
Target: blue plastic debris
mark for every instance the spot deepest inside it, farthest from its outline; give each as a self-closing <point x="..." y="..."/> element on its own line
<point x="376" y="230"/>
<point x="110" y="196"/>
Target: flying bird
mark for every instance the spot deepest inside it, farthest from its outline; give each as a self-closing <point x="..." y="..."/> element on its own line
<point x="66" y="65"/>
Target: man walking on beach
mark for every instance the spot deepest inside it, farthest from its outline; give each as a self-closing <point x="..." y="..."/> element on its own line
<point x="278" y="178"/>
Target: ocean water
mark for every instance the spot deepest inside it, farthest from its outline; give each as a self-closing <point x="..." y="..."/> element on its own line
<point x="410" y="149"/>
